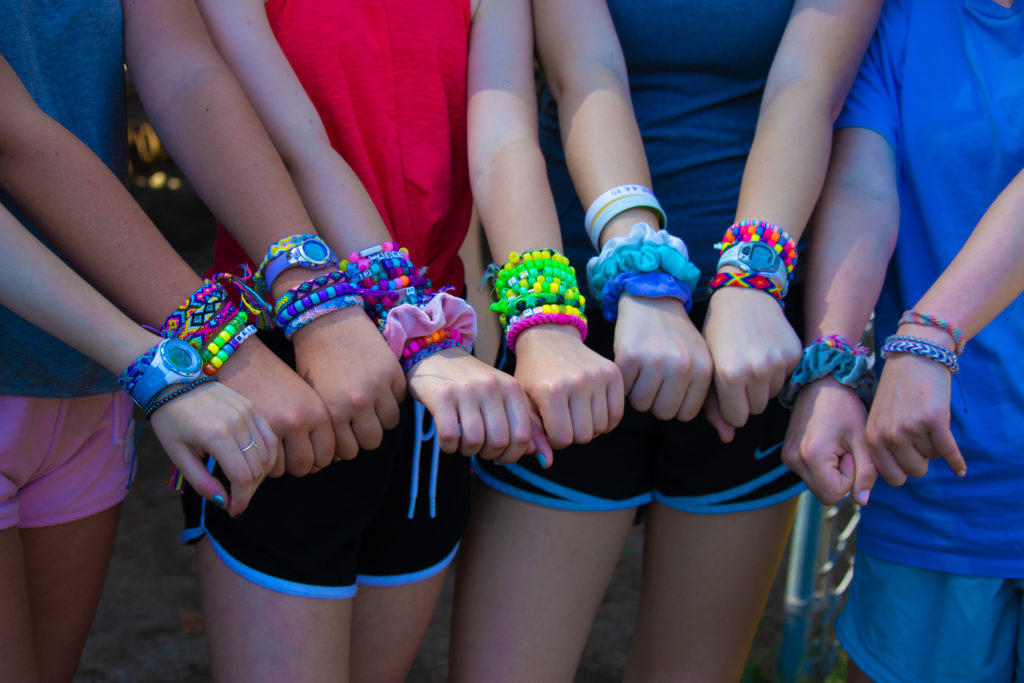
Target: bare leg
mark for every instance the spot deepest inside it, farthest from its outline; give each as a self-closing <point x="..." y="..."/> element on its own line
<point x="256" y="634"/>
<point x="530" y="580"/>
<point x="706" y="581"/>
<point x="65" y="566"/>
<point x="17" y="658"/>
<point x="388" y="625"/>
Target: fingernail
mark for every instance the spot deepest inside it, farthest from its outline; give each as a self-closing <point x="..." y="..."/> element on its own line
<point x="543" y="460"/>
<point x="863" y="496"/>
<point x="219" y="501"/>
<point x="961" y="473"/>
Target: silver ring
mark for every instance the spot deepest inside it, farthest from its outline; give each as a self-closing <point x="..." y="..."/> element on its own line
<point x="252" y="444"/>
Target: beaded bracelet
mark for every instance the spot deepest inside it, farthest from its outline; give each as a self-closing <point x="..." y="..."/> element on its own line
<point x="918" y="318"/>
<point x="821" y="359"/>
<point x="309" y="315"/>
<point x="227" y="350"/>
<point x="316" y="298"/>
<point x="426" y="352"/>
<point x="763" y="231"/>
<point x="649" y="285"/>
<point x="923" y="348"/>
<point x="531" y="279"/>
<point x="643" y="250"/>
<point x="223" y="336"/>
<point x="749" y="280"/>
<point x="166" y="398"/>
<point x="522" y="324"/>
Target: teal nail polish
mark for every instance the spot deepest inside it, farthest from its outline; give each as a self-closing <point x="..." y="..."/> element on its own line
<point x="542" y="459"/>
<point x="219" y="501"/>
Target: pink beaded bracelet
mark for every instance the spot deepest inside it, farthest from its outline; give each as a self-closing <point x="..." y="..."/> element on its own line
<point x="522" y="324"/>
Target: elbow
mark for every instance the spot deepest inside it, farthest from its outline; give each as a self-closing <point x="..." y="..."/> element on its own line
<point x="585" y="74"/>
<point x="809" y="88"/>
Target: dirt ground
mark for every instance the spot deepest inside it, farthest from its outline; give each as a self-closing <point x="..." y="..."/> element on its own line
<point x="149" y="626"/>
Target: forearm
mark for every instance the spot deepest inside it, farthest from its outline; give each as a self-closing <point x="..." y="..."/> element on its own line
<point x="205" y="120"/>
<point x="988" y="273"/>
<point x="810" y="76"/>
<point x="854" y="234"/>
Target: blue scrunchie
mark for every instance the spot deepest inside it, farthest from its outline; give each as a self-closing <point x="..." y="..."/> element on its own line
<point x="643" y="250"/>
<point x="648" y="285"/>
<point x="820" y="360"/>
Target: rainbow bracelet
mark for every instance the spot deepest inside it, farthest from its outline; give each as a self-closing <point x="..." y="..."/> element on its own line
<point x="749" y="280"/>
<point x="917" y="318"/>
<point x="763" y="231"/>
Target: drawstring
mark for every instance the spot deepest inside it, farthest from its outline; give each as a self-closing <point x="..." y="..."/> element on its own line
<point x="421" y="436"/>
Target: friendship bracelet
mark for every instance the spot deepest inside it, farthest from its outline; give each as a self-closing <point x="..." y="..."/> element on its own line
<point x="249" y="300"/>
<point x="837" y="341"/>
<point x="523" y="324"/>
<point x="923" y="348"/>
<point x="763" y="231"/>
<point x="749" y="280"/>
<point x="151" y="408"/>
<point x="315" y="299"/>
<point x="217" y="360"/>
<point x="917" y="318"/>
<point x="191" y="316"/>
<point x="309" y="315"/>
<point x="615" y="201"/>
<point x="820" y="359"/>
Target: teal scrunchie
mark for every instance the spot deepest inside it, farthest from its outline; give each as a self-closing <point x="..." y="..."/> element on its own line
<point x="644" y="250"/>
<point x="820" y="360"/>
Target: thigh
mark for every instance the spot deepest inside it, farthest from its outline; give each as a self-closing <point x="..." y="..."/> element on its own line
<point x="970" y="624"/>
<point x="65" y="566"/>
<point x="706" y="581"/>
<point x="529" y="582"/>
<point x="17" y="652"/>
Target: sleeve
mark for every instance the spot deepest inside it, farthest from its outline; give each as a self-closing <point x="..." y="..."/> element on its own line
<point x="873" y="102"/>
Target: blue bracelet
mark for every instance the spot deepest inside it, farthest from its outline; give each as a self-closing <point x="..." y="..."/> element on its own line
<point x="923" y="348"/>
<point x="821" y="360"/>
<point x="649" y="285"/>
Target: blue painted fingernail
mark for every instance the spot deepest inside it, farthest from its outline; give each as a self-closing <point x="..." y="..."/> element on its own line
<point x="542" y="459"/>
<point x="862" y="497"/>
<point x="219" y="501"/>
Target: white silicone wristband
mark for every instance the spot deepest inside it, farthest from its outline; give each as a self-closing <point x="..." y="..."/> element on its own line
<point x="613" y="202"/>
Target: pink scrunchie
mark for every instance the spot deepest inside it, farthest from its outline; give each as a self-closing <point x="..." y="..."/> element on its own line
<point x="408" y="321"/>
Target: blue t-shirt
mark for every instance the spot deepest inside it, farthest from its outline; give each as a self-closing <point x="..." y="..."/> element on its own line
<point x="70" y="57"/>
<point x="943" y="83"/>
<point x="697" y="71"/>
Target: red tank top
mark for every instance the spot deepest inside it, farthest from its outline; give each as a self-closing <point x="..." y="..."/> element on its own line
<point x="388" y="78"/>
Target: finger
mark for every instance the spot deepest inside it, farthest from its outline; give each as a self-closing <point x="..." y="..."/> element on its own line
<point x="945" y="446"/>
<point x="644" y="390"/>
<point x="273" y="445"/>
<point x="630" y="369"/>
<point x="368" y="430"/>
<point x="554" y="414"/>
<point x="582" y="412"/>
<point x="242" y="482"/>
<point x="671" y="395"/>
<point x="887" y="466"/>
<point x="696" y="395"/>
<point x="474" y="431"/>
<point x="826" y="476"/>
<point x="497" y="432"/>
<point x="758" y="395"/>
<point x="865" y="473"/>
<point x="713" y="413"/>
<point x="539" y="442"/>
<point x="913" y="462"/>
<point x="518" y="416"/>
<point x="389" y="414"/>
<point x="446" y="422"/>
<point x="732" y="403"/>
<point x="346" y="444"/>
<point x="193" y="469"/>
<point x="599" y="412"/>
<point x="615" y="398"/>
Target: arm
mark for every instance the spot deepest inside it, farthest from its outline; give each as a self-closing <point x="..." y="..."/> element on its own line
<point x="909" y="420"/>
<point x="210" y="419"/>
<point x="578" y="393"/>
<point x="664" y="361"/>
<point x="753" y="346"/>
<point x="855" y="228"/>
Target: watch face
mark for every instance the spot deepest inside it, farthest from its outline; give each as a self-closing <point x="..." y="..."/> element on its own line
<point x="760" y="257"/>
<point x="315" y="251"/>
<point x="181" y="357"/>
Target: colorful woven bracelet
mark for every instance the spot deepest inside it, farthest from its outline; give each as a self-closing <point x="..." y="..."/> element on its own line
<point x="821" y="359"/>
<point x="329" y="306"/>
<point x="248" y="298"/>
<point x="763" y="231"/>
<point x="749" y="280"/>
<point x="191" y="316"/>
<point x="838" y="341"/>
<point x="923" y="348"/>
<point x="522" y="324"/>
<point x="314" y="299"/>
<point x="215" y="362"/>
<point x="955" y="333"/>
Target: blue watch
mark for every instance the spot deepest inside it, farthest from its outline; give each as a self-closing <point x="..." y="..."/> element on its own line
<point x="757" y="257"/>
<point x="312" y="252"/>
<point x="175" y="362"/>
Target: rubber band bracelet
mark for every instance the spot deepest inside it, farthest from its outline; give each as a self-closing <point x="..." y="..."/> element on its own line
<point x="611" y="203"/>
<point x="956" y="334"/>
<point x="922" y="348"/>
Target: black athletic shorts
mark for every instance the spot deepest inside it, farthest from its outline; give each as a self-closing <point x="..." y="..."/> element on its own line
<point x="681" y="464"/>
<point x="355" y="522"/>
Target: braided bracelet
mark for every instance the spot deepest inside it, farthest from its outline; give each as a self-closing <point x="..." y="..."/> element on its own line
<point x="923" y="348"/>
<point x="151" y="408"/>
<point x="918" y="318"/>
<point x="749" y="280"/>
<point x="309" y="315"/>
<point x="191" y="316"/>
<point x="519" y="326"/>
<point x="821" y="359"/>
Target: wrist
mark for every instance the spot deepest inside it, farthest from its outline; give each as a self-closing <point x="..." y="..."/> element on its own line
<point x="538" y="339"/>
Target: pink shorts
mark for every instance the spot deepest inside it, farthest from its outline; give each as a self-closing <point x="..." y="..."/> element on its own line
<point x="62" y="459"/>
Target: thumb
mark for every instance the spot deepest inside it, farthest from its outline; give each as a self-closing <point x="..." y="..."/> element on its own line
<point x="539" y="443"/>
<point x="865" y="473"/>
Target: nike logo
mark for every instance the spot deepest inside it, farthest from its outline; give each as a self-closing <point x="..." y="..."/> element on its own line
<point x="760" y="455"/>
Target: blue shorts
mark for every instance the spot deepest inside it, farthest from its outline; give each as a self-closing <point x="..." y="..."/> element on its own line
<point x="902" y="623"/>
<point x="681" y="464"/>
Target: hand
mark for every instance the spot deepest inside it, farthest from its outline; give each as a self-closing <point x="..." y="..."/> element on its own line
<point x="213" y="420"/>
<point x="665" y="364"/>
<point x="486" y="404"/>
<point x="577" y="393"/>
<point x="290" y="406"/>
<point x="825" y="442"/>
<point x="909" y="420"/>
<point x="754" y="350"/>
<point x="345" y="359"/>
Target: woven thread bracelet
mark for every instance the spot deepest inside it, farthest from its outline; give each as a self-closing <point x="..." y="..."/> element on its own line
<point x="763" y="231"/>
<point x="838" y="341"/>
<point x="192" y="315"/>
<point x="336" y="304"/>
<point x="922" y="348"/>
<point x="821" y="359"/>
<point x="748" y="280"/>
<point x="956" y="334"/>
